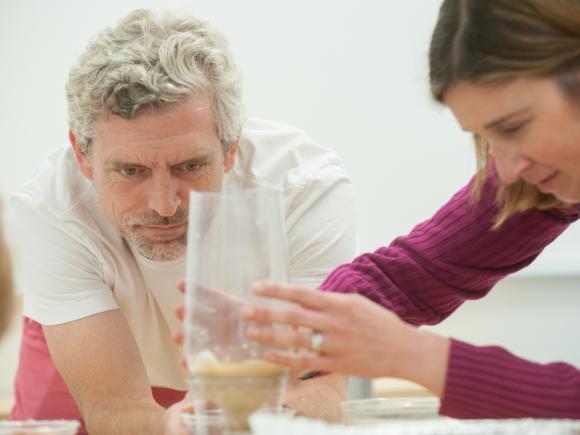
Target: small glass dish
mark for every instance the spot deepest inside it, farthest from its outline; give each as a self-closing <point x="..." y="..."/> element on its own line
<point x="210" y="422"/>
<point x="33" y="427"/>
<point x="375" y="411"/>
<point x="214" y="422"/>
<point x="280" y="411"/>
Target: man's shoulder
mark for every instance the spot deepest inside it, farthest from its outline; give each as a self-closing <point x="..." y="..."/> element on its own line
<point x="55" y="188"/>
<point x="57" y="196"/>
<point x="273" y="153"/>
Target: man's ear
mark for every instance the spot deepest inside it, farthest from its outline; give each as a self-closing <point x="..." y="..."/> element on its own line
<point x="82" y="158"/>
<point x="230" y="157"/>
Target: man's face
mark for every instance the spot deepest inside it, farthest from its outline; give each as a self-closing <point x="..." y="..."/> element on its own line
<point x="144" y="168"/>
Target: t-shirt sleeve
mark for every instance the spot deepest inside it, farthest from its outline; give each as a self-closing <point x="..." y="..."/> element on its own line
<point x="320" y="224"/>
<point x="450" y="258"/>
<point x="60" y="276"/>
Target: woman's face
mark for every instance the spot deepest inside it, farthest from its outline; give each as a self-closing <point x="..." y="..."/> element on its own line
<point x="532" y="129"/>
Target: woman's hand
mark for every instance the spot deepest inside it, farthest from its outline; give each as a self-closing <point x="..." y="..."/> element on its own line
<point x="359" y="337"/>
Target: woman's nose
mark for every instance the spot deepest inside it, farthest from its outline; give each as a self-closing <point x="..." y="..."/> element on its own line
<point x="509" y="163"/>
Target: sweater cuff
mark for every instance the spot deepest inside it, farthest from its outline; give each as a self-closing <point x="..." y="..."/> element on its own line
<point x="490" y="382"/>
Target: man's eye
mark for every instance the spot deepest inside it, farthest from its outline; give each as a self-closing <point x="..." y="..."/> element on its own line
<point x="190" y="167"/>
<point x="129" y="171"/>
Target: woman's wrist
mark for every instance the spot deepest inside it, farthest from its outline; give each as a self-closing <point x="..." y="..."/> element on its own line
<point x="424" y="359"/>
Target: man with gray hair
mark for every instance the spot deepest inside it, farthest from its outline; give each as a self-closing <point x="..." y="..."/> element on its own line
<point x="155" y="111"/>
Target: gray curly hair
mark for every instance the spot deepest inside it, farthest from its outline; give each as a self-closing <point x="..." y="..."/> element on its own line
<point x="153" y="59"/>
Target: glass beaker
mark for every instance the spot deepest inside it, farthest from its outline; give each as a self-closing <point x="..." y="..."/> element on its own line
<point x="32" y="427"/>
<point x="382" y="409"/>
<point x="234" y="239"/>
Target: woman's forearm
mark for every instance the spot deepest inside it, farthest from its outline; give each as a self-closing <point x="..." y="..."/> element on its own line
<point x="424" y="359"/>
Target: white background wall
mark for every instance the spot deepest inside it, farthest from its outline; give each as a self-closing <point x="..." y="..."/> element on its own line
<point x="351" y="74"/>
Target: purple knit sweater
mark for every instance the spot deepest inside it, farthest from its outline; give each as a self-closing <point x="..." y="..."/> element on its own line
<point x="454" y="256"/>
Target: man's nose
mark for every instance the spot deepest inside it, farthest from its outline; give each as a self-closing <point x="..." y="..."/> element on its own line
<point x="509" y="163"/>
<point x="163" y="196"/>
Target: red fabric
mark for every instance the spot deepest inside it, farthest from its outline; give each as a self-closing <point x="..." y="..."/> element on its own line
<point x="40" y="391"/>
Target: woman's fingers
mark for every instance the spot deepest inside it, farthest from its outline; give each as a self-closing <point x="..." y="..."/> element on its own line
<point x="292" y="315"/>
<point x="279" y="337"/>
<point x="328" y="344"/>
<point x="301" y="362"/>
<point x="308" y="298"/>
<point x="181" y="286"/>
<point x="178" y="338"/>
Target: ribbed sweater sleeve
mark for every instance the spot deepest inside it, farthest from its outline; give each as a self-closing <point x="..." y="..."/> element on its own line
<point x="488" y="381"/>
<point x="452" y="257"/>
<point x="455" y="256"/>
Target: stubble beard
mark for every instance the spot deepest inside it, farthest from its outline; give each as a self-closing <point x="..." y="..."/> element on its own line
<point x="160" y="248"/>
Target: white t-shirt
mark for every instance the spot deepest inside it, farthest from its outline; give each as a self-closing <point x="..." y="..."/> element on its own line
<point x="72" y="262"/>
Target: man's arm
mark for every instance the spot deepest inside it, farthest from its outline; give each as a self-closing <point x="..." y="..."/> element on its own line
<point x="318" y="397"/>
<point x="101" y="365"/>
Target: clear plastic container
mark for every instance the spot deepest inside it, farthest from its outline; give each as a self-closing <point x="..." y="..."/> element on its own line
<point x="33" y="427"/>
<point x="234" y="239"/>
<point x="376" y="411"/>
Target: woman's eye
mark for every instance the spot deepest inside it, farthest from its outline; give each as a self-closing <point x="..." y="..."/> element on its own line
<point x="513" y="129"/>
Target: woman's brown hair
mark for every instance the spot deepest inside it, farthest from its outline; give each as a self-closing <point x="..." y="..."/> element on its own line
<point x="494" y="41"/>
